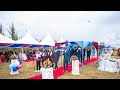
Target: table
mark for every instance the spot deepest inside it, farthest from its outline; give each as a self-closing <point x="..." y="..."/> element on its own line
<point x="107" y="65"/>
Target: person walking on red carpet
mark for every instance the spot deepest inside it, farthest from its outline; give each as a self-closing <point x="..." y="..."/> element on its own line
<point x="57" y="55"/>
<point x="44" y="55"/>
<point x="88" y="53"/>
<point x="66" y="58"/>
<point x="52" y="56"/>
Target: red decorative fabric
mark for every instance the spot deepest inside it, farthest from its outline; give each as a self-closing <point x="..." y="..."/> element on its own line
<point x="60" y="71"/>
<point x="96" y="46"/>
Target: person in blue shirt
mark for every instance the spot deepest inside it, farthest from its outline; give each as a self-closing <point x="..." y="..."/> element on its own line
<point x="66" y="58"/>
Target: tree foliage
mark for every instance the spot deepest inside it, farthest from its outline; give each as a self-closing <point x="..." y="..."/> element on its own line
<point x="1" y="30"/>
<point x="12" y="33"/>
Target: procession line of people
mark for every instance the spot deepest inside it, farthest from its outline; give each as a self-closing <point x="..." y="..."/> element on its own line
<point x="54" y="54"/>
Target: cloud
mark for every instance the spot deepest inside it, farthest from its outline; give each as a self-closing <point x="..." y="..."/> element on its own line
<point x="72" y="25"/>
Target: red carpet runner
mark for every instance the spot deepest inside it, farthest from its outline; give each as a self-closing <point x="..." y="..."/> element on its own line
<point x="59" y="71"/>
<point x="29" y="60"/>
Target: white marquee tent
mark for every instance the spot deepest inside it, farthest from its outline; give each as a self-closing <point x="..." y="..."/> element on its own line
<point x="4" y="39"/>
<point x="48" y="41"/>
<point x="60" y="41"/>
<point x="28" y="39"/>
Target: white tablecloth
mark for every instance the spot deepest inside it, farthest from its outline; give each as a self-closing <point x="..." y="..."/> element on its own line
<point x="107" y="65"/>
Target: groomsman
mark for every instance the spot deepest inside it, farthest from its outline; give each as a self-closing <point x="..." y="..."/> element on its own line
<point x="78" y="53"/>
<point x="75" y="50"/>
<point x="44" y="55"/>
<point x="71" y="52"/>
<point x="52" y="56"/>
<point x="57" y="55"/>
<point x="66" y="58"/>
<point x="88" y="54"/>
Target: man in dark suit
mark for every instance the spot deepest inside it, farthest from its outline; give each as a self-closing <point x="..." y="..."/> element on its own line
<point x="30" y="53"/>
<point x="75" y="50"/>
<point x="44" y="55"/>
<point x="78" y="53"/>
<point x="66" y="58"/>
<point x="71" y="53"/>
<point x="83" y="55"/>
<point x="57" y="55"/>
<point x="52" y="56"/>
<point x="88" y="53"/>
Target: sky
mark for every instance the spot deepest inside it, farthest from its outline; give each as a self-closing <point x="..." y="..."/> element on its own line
<point x="101" y="26"/>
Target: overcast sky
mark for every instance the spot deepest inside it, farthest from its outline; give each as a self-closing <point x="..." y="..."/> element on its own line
<point x="71" y="25"/>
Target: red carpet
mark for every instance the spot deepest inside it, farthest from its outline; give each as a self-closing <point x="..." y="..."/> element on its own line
<point x="59" y="71"/>
<point x="29" y="60"/>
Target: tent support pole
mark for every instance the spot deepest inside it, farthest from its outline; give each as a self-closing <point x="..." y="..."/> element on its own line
<point x="82" y="55"/>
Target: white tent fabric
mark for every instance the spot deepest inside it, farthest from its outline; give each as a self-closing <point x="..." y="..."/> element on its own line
<point x="48" y="41"/>
<point x="27" y="39"/>
<point x="61" y="40"/>
<point x="4" y="39"/>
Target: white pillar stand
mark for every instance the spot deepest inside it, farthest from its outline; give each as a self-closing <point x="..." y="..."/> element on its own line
<point x="75" y="67"/>
<point x="14" y="72"/>
<point x="47" y="73"/>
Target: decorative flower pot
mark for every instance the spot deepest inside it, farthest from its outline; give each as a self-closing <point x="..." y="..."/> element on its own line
<point x="47" y="73"/>
<point x="75" y="67"/>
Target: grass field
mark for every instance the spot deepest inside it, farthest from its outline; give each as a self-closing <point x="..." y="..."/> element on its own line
<point x="27" y="70"/>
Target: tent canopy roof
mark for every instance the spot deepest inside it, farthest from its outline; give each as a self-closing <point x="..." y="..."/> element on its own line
<point x="48" y="41"/>
<point x="4" y="39"/>
<point x="61" y="40"/>
<point x="28" y="39"/>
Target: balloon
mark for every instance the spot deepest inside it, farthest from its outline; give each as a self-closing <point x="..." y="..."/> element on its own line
<point x="19" y="66"/>
<point x="41" y="70"/>
<point x="14" y="69"/>
<point x="14" y="65"/>
<point x="66" y="41"/>
<point x="66" y="44"/>
<point x="20" y="62"/>
<point x="10" y="66"/>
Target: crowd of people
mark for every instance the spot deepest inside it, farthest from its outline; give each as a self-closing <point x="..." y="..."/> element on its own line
<point x="6" y="56"/>
<point x="54" y="54"/>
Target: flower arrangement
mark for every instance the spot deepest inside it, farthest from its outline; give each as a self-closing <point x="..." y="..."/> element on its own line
<point x="74" y="57"/>
<point x="47" y="64"/>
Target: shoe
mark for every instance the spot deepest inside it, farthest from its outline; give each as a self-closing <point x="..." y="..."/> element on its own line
<point x="38" y="70"/>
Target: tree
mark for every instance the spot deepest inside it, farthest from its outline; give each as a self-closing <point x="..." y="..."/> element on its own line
<point x="1" y="30"/>
<point x="12" y="33"/>
<point x="16" y="36"/>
